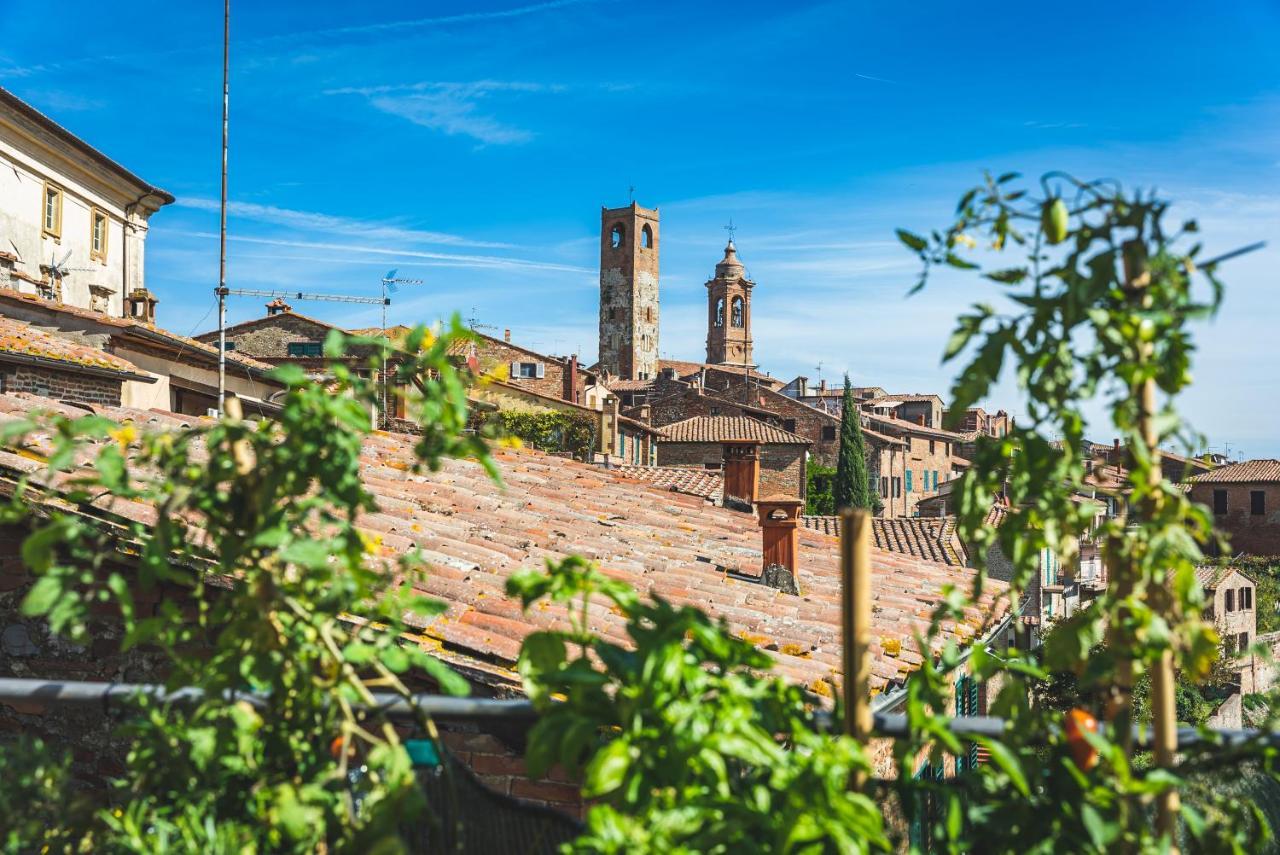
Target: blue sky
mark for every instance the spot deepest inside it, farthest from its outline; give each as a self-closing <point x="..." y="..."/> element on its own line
<point x="472" y="145"/>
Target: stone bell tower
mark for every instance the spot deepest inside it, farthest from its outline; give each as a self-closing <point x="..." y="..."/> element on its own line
<point x="629" y="292"/>
<point x="729" y="312"/>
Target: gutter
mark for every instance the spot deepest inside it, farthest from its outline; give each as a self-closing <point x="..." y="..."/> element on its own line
<point x="74" y="367"/>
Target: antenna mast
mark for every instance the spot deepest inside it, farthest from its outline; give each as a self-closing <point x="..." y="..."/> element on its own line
<point x="222" y="224"/>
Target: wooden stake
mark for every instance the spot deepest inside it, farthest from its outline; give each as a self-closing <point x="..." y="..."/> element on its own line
<point x="855" y="603"/>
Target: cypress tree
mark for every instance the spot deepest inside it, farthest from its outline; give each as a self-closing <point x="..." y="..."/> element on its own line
<point x="851" y="486"/>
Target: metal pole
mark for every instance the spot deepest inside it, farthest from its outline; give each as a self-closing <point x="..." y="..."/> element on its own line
<point x="855" y="605"/>
<point x="222" y="225"/>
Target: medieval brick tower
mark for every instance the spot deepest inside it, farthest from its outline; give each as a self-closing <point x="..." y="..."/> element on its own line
<point x="729" y="312"/>
<point x="629" y="292"/>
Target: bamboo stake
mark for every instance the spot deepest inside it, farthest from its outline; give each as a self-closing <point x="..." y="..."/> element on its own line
<point x="855" y="604"/>
<point x="1163" y="710"/>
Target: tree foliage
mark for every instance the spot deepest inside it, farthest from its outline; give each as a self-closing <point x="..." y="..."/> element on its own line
<point x="852" y="488"/>
<point x="551" y="431"/>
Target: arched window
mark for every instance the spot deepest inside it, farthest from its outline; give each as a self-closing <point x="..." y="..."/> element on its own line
<point x="720" y="312"/>
<point x="646" y="237"/>
<point x="616" y="235"/>
<point x="738" y="317"/>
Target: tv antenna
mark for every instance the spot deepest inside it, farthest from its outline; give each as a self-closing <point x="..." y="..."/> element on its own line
<point x="59" y="269"/>
<point x="299" y="295"/>
<point x="474" y="322"/>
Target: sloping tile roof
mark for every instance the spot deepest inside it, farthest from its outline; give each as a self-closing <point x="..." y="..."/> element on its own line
<point x="474" y="534"/>
<point x="883" y="424"/>
<point x="1246" y="471"/>
<point x="20" y="338"/>
<point x="686" y="369"/>
<point x="707" y="483"/>
<point x="728" y="428"/>
<point x="927" y="538"/>
<point x="903" y="399"/>
<point x="618" y="385"/>
<point x="266" y="320"/>
<point x="128" y="325"/>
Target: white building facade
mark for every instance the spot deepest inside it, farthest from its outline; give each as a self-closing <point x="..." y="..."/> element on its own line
<point x="73" y="222"/>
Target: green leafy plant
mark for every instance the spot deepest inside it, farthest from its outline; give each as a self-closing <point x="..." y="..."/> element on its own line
<point x="688" y="744"/>
<point x="819" y="500"/>
<point x="553" y="432"/>
<point x="282" y="594"/>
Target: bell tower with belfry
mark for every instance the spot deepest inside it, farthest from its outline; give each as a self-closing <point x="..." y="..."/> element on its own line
<point x="629" y="292"/>
<point x="729" y="311"/>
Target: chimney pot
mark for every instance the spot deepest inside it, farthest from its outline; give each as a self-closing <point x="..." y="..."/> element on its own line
<point x="506" y="336"/>
<point x="741" y="475"/>
<point x="779" y="529"/>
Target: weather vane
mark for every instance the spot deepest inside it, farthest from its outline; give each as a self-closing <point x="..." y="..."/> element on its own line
<point x="731" y="228"/>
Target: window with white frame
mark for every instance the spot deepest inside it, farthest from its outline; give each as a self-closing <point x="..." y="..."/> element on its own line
<point x="528" y="370"/>
<point x="51" y="215"/>
<point x="98" y="223"/>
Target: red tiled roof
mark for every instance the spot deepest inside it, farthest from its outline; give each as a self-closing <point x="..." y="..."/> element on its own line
<point x="22" y="339"/>
<point x="883" y="423"/>
<point x="686" y="369"/>
<point x="212" y="335"/>
<point x="707" y="483"/>
<point x="1243" y="472"/>
<point x="728" y="429"/>
<point x="128" y="326"/>
<point x="619" y="385"/>
<point x="927" y="538"/>
<point x="474" y="534"/>
<point x="912" y="398"/>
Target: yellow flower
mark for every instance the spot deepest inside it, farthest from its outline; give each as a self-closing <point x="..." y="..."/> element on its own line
<point x="965" y="240"/>
<point x="124" y="435"/>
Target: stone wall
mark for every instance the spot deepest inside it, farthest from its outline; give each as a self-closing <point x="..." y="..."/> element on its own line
<point x="629" y="293"/>
<point x="496" y="356"/>
<point x="66" y="386"/>
<point x="782" y="469"/>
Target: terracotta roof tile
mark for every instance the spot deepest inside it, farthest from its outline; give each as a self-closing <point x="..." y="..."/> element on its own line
<point x="1244" y="472"/>
<point x="927" y="538"/>
<point x="706" y="483"/>
<point x="127" y="325"/>
<point x="475" y="534"/>
<point x="728" y="428"/>
<point x="20" y="338"/>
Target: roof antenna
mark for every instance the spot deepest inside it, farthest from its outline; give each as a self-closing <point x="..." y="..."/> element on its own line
<point x="222" y="216"/>
<point x="631" y="195"/>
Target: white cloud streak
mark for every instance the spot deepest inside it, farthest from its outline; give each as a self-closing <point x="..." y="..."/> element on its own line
<point x="450" y="108"/>
<point x="434" y="259"/>
<point x="313" y="221"/>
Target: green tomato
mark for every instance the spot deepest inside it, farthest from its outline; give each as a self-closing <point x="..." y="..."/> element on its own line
<point x="1053" y="219"/>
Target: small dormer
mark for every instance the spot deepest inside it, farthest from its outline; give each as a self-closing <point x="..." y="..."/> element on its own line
<point x="140" y="305"/>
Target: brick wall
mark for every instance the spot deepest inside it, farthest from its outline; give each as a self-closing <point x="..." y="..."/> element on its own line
<point x="270" y="338"/>
<point x="1252" y="534"/>
<point x="60" y="385"/>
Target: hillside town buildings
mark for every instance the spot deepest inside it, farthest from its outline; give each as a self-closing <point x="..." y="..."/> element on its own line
<point x="692" y="486"/>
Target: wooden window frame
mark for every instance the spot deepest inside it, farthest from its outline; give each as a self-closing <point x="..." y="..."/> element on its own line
<point x="99" y="254"/>
<point x="56" y="231"/>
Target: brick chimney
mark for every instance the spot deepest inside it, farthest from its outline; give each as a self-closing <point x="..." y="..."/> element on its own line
<point x="822" y="385"/>
<point x="571" y="379"/>
<point x="779" y="528"/>
<point x="277" y="306"/>
<point x="506" y="336"/>
<point x="140" y="305"/>
<point x="802" y="387"/>
<point x="741" y="475"/>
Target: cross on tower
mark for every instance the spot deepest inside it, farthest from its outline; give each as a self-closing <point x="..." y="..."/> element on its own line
<point x="731" y="228"/>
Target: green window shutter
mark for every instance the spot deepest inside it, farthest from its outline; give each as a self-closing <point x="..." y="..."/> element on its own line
<point x="908" y="480"/>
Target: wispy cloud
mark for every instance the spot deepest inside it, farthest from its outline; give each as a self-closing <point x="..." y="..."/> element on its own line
<point x="1053" y="126"/>
<point x="313" y="221"/>
<point x="451" y="108"/>
<point x="435" y="259"/>
<point x="407" y="25"/>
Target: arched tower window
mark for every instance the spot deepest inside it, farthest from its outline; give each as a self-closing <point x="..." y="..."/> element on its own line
<point x="616" y="235"/>
<point x="646" y="237"/>
<point x="720" y="312"/>
<point x="738" y="316"/>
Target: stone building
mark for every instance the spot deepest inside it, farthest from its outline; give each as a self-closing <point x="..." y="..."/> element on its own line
<point x="729" y="312"/>
<point x="920" y="409"/>
<point x="629" y="292"/>
<point x="827" y="398"/>
<point x="1245" y="500"/>
<point x="553" y="376"/>
<point x="73" y="222"/>
<point x="703" y="442"/>
<point x="929" y="460"/>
